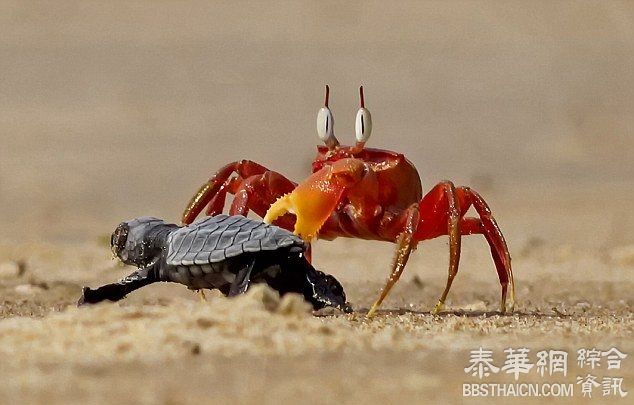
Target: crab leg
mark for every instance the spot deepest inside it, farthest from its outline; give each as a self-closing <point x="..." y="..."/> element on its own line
<point x="405" y="243"/>
<point x="217" y="203"/>
<point x="447" y="189"/>
<point x="497" y="243"/>
<point x="215" y="189"/>
<point x="438" y="209"/>
<point x="485" y="225"/>
<point x="258" y="192"/>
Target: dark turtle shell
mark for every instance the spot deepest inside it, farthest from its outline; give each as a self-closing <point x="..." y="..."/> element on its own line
<point x="214" y="239"/>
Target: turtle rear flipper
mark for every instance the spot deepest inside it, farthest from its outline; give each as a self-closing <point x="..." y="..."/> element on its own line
<point x="323" y="290"/>
<point x="242" y="281"/>
<point x="297" y="275"/>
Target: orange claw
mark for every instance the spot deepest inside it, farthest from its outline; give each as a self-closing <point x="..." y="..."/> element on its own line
<point x="317" y="197"/>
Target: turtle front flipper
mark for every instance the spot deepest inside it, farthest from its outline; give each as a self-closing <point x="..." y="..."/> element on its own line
<point x="117" y="291"/>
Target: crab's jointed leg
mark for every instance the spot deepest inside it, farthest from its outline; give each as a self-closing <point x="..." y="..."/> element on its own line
<point x="434" y="218"/>
<point x="441" y="212"/>
<point x="405" y="243"/>
<point x="492" y="233"/>
<point x="217" y="203"/>
<point x="257" y="193"/>
<point x="439" y="206"/>
<point x="214" y="186"/>
<point x="251" y="177"/>
<point x="440" y="200"/>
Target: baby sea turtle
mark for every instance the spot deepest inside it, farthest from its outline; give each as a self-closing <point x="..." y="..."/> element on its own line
<point x="224" y="252"/>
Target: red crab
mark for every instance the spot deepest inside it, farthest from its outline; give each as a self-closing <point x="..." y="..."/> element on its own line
<point x="359" y="192"/>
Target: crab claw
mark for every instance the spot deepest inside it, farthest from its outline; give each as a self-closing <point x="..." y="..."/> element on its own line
<point x="316" y="198"/>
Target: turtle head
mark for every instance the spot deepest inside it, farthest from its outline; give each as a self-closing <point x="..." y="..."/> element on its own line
<point x="135" y="242"/>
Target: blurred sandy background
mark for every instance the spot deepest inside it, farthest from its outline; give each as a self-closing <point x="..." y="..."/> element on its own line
<point x="119" y="109"/>
<point x="114" y="110"/>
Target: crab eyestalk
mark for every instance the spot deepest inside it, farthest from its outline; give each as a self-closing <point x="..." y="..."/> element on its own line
<point x="317" y="197"/>
<point x="325" y="124"/>
<point x="363" y="124"/>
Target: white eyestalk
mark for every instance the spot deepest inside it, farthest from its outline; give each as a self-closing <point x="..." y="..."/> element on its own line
<point x="325" y="124"/>
<point x="363" y="123"/>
